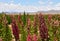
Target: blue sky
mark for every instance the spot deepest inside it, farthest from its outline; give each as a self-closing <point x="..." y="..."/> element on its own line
<point x="28" y="5"/>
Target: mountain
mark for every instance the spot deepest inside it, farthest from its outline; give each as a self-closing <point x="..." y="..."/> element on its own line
<point x="50" y="12"/>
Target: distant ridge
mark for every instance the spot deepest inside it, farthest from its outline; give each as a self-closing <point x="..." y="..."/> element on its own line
<point x="50" y="12"/>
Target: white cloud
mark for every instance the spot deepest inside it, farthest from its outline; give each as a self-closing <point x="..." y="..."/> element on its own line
<point x="12" y="1"/>
<point x="50" y="3"/>
<point x="16" y="7"/>
<point x="45" y="2"/>
<point x="58" y="4"/>
<point x="41" y="2"/>
<point x="20" y="8"/>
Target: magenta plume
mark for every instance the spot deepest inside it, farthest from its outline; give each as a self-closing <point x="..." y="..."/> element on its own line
<point x="28" y="22"/>
<point x="19" y="19"/>
<point x="35" y="27"/>
<point x="49" y="18"/>
<point x="28" y="25"/>
<point x="43" y="28"/>
<point x="29" y="38"/>
<point x="15" y="30"/>
<point x="34" y="37"/>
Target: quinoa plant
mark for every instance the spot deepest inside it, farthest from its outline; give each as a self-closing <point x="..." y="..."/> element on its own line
<point x="6" y="31"/>
<point x="29" y="38"/>
<point x="23" y="33"/>
<point x="15" y="29"/>
<point x="43" y="28"/>
<point x="24" y="18"/>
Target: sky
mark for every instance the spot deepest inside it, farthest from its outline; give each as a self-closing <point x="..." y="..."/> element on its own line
<point x="28" y="5"/>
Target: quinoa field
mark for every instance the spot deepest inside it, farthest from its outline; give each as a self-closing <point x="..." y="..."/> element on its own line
<point x="38" y="27"/>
